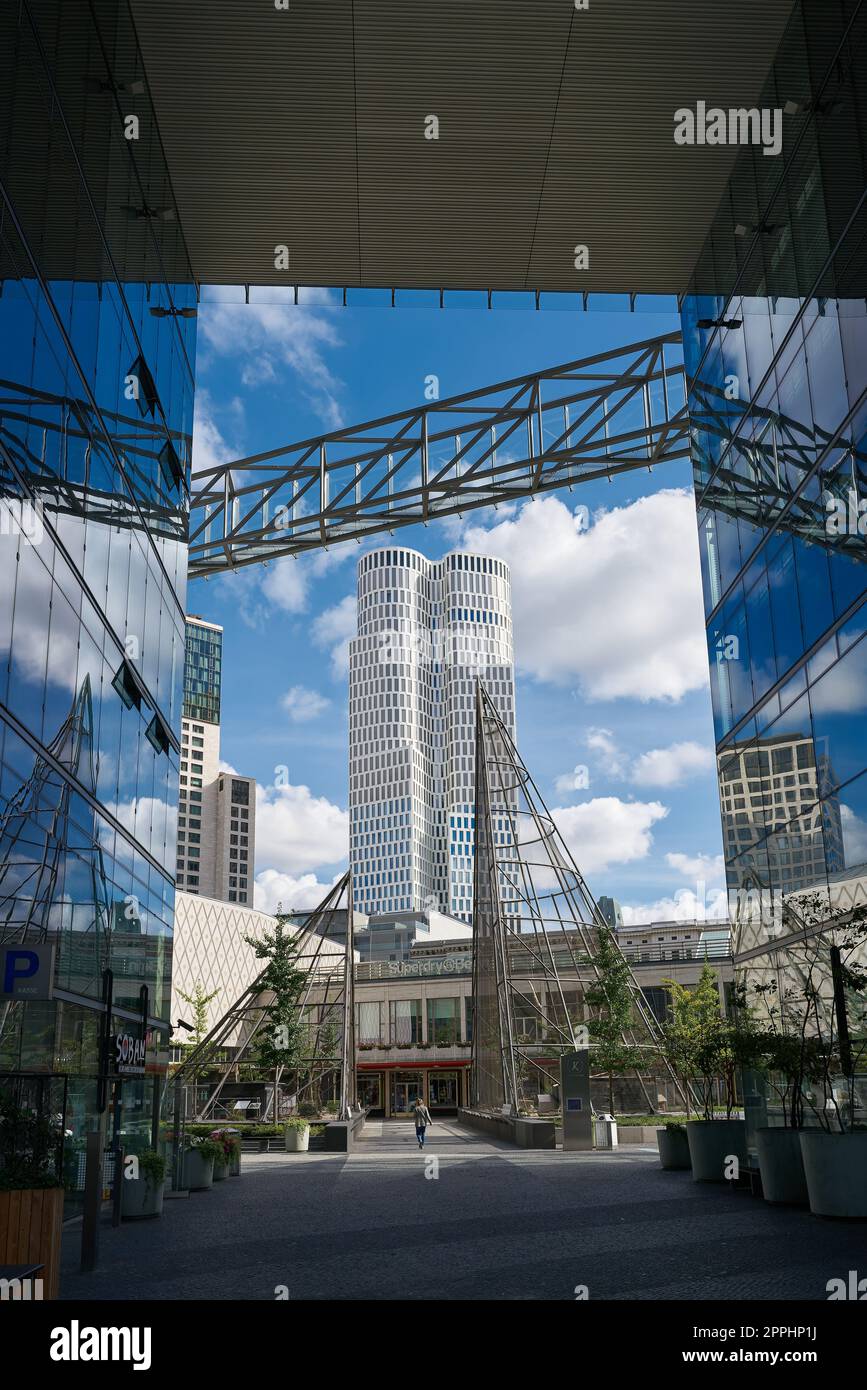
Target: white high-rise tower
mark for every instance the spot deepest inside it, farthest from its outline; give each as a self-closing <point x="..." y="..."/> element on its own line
<point x="426" y="631"/>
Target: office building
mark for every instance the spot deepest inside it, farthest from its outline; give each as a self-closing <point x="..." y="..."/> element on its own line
<point x="611" y="911"/>
<point x="427" y="631"/>
<point x="95" y="422"/>
<point x="775" y="340"/>
<point x="216" y="810"/>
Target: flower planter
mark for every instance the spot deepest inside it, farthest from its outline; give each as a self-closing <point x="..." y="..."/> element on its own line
<point x="198" y="1171"/>
<point x="712" y="1143"/>
<point x="781" y="1165"/>
<point x="296" y="1141"/>
<point x="141" y="1198"/>
<point x="221" y="1170"/>
<point x="235" y="1162"/>
<point x="835" y="1166"/>
<point x="673" y="1146"/>
<point x="31" y="1222"/>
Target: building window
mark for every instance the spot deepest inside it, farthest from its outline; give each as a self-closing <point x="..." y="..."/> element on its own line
<point x="443" y="1021"/>
<point x="405" y="1021"/>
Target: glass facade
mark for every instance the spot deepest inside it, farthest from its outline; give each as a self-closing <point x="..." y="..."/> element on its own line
<point x="96" y="391"/>
<point x="203" y="670"/>
<point x="775" y="336"/>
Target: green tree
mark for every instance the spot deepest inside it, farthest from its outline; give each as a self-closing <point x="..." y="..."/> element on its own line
<point x="282" y="1038"/>
<point x="611" y="999"/>
<point x="198" y="1002"/>
<point x="693" y="1022"/>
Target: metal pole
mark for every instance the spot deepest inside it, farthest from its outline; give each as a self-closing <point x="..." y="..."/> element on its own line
<point x="92" y="1198"/>
<point x="117" y="1187"/>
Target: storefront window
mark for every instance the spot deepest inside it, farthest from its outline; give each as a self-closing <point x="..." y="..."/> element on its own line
<point x="405" y="1021"/>
<point x="443" y="1021"/>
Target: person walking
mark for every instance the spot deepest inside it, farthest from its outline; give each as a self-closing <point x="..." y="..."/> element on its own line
<point x="422" y="1120"/>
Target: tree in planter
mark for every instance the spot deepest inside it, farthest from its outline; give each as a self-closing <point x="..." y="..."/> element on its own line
<point x="198" y="1002"/>
<point x="282" y="1038"/>
<point x="30" y="1144"/>
<point x="814" y="1004"/>
<point x="729" y="1048"/>
<point x="791" y="1058"/>
<point x="612" y="1001"/>
<point x="692" y="1022"/>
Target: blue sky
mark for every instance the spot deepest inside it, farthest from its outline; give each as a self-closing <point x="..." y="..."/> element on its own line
<point x="609" y="641"/>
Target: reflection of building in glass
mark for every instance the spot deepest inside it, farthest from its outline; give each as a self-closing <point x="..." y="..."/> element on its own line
<point x="426" y="632"/>
<point x="216" y="811"/>
<point x="775" y="342"/>
<point x="779" y="788"/>
<point x="95" y="418"/>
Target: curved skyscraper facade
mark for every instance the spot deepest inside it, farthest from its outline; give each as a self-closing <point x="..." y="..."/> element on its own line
<point x="427" y="630"/>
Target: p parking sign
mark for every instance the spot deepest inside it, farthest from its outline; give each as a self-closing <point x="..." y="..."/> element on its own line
<point x="26" y="972"/>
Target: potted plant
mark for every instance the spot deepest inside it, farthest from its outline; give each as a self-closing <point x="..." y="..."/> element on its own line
<point x="200" y="1155"/>
<point x="673" y="1146"/>
<point x="720" y="1048"/>
<point x="142" y="1191"/>
<point x="791" y="1061"/>
<point x="31" y="1190"/>
<point x="715" y="1142"/>
<point x="225" y="1143"/>
<point x="296" y="1135"/>
<point x="835" y="980"/>
<point x="692" y="1016"/>
<point x="235" y="1157"/>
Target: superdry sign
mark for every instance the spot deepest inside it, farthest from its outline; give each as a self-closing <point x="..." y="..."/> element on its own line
<point x="129" y="1054"/>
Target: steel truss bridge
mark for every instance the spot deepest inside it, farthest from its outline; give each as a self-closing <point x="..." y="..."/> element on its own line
<point x="611" y="413"/>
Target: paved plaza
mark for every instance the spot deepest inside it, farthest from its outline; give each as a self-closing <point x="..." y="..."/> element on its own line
<point x="497" y="1223"/>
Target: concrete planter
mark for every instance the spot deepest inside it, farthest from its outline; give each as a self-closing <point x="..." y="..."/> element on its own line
<point x="712" y="1143"/>
<point x="835" y="1166"/>
<point x="297" y="1141"/>
<point x="781" y="1165"/>
<point x="141" y="1198"/>
<point x="198" y="1171"/>
<point x="673" y="1147"/>
<point x="235" y="1163"/>
<point x="221" y="1170"/>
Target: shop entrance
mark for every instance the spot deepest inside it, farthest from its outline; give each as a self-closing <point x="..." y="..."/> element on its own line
<point x="370" y="1092"/>
<point x="406" y="1088"/>
<point x="443" y="1092"/>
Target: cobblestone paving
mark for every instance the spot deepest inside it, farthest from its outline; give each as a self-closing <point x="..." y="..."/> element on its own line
<point x="497" y="1223"/>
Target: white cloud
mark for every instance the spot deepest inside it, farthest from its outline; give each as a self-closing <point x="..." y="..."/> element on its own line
<point x="607" y="830"/>
<point x="683" y="906"/>
<point x="334" y="628"/>
<point x="854" y="837"/>
<point x="296" y="831"/>
<point x="271" y="889"/>
<point x="703" y="868"/>
<point x="843" y="689"/>
<point x="616" y="607"/>
<point x="303" y="704"/>
<point x="210" y="449"/>
<point x="602" y="742"/>
<point x="659" y="767"/>
<point x="272" y="336"/>
<point x="575" y="781"/>
<point x="286" y="584"/>
<point x="668" y="767"/>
